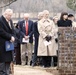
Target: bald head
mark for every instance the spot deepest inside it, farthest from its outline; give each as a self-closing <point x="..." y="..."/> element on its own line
<point x="46" y="14"/>
<point x="26" y="16"/>
<point x="8" y="14"/>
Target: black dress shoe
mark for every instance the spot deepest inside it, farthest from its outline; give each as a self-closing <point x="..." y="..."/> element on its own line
<point x="33" y="65"/>
<point x="44" y="66"/>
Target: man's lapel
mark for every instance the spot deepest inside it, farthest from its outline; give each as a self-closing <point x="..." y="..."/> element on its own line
<point x="29" y="25"/>
<point x="23" y="26"/>
<point x="5" y="23"/>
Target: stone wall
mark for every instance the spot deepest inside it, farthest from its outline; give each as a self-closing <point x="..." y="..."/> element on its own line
<point x="67" y="51"/>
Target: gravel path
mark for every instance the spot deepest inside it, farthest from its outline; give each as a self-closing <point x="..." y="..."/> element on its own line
<point x="28" y="70"/>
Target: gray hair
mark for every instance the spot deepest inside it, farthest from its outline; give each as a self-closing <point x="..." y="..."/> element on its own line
<point x="8" y="11"/>
<point x="40" y="14"/>
<point x="46" y="12"/>
<point x="55" y="17"/>
<point x="26" y="15"/>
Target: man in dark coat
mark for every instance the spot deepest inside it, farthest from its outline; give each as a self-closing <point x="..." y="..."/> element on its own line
<point x="36" y="35"/>
<point x="26" y="31"/>
<point x="6" y="34"/>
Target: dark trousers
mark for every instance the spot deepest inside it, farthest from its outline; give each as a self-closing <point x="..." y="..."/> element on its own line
<point x="34" y="59"/>
<point x="18" y="55"/>
<point x="4" y="68"/>
<point x="46" y="61"/>
<point x="54" y="61"/>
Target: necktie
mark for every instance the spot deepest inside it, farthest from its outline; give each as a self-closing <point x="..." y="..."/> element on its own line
<point x="26" y="28"/>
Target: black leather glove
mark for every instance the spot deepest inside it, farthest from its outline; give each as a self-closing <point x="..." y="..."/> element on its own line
<point x="48" y="38"/>
<point x="56" y="40"/>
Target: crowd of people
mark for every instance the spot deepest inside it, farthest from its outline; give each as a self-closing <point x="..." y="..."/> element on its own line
<point x="38" y="40"/>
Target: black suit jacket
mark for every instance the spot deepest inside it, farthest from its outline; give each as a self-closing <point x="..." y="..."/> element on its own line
<point x="5" y="35"/>
<point x="23" y="30"/>
<point x="36" y="35"/>
<point x="36" y="32"/>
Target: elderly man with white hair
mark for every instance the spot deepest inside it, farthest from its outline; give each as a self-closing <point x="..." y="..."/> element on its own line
<point x="6" y="34"/>
<point x="26" y="28"/>
<point x="36" y="35"/>
<point x="46" y="38"/>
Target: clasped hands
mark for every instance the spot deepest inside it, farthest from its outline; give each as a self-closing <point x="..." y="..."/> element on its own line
<point x="26" y="37"/>
<point x="48" y="38"/>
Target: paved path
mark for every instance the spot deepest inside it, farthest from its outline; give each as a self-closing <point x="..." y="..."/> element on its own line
<point x="28" y="70"/>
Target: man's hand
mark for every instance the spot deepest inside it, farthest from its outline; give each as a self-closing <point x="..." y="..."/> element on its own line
<point x="26" y="37"/>
<point x="12" y="39"/>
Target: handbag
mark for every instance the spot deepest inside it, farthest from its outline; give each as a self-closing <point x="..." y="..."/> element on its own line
<point x="9" y="46"/>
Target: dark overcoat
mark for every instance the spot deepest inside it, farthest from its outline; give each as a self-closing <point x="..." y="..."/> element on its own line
<point x="5" y="35"/>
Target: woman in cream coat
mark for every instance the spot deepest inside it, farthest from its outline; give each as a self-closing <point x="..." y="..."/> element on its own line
<point x="46" y="27"/>
<point x="46" y="30"/>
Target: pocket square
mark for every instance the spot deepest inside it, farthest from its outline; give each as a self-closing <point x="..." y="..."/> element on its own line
<point x="9" y="46"/>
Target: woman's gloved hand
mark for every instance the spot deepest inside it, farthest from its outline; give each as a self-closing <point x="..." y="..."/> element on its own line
<point x="48" y="38"/>
<point x="56" y="40"/>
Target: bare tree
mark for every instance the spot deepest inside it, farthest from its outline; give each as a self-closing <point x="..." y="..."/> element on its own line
<point x="72" y="4"/>
<point x="4" y="3"/>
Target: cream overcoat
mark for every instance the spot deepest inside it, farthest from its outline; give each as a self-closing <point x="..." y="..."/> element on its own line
<point x="46" y="27"/>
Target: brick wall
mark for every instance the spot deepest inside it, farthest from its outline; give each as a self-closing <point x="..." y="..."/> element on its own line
<point x="67" y="51"/>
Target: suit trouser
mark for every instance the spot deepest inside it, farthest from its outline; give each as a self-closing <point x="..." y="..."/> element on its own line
<point x="26" y="50"/>
<point x="34" y="59"/>
<point x="4" y="68"/>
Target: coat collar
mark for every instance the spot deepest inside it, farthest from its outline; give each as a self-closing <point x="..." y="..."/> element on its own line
<point x="5" y="22"/>
<point x="44" y="20"/>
